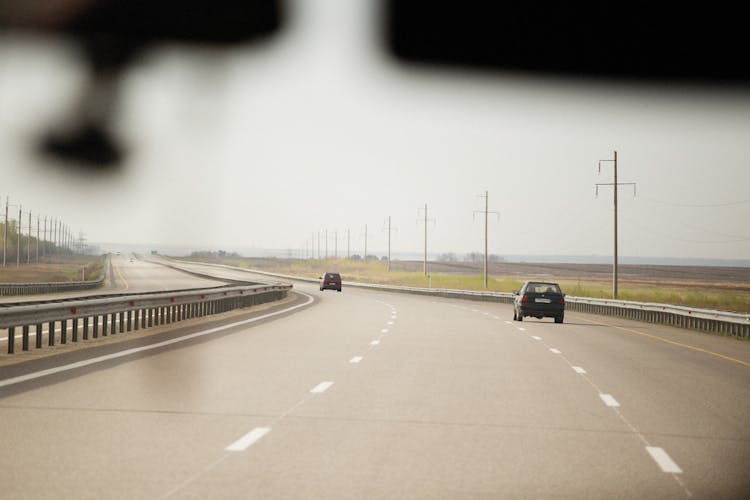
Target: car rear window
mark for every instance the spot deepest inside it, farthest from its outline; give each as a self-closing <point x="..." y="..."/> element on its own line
<point x="333" y="276"/>
<point x="542" y="288"/>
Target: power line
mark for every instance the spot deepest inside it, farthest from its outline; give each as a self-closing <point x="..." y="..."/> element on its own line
<point x="696" y="205"/>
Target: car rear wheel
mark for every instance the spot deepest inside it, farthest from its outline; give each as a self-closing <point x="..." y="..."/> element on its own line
<point x="559" y="319"/>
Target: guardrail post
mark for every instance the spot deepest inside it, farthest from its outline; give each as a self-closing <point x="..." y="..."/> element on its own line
<point x="75" y="330"/>
<point x="64" y="331"/>
<point x="85" y="328"/>
<point x="25" y="337"/>
<point x="51" y="333"/>
<point x="122" y="322"/>
<point x="39" y="336"/>
<point x="95" y="327"/>
<point x="11" y="340"/>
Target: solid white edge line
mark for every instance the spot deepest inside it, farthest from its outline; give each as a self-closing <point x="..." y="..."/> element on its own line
<point x="663" y="460"/>
<point x="321" y="387"/>
<point x="128" y="352"/>
<point x="609" y="400"/>
<point x="248" y="439"/>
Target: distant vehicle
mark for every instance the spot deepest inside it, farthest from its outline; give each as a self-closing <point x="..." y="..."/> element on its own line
<point x="330" y="281"/>
<point x="539" y="300"/>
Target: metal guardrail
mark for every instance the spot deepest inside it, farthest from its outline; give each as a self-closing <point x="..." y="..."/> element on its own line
<point x="125" y="313"/>
<point x="706" y="320"/>
<point x="38" y="288"/>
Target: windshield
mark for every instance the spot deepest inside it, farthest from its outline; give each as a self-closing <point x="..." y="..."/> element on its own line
<point x="175" y="176"/>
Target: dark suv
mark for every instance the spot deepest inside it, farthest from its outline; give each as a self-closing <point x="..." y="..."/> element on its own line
<point x="330" y="281"/>
<point x="539" y="299"/>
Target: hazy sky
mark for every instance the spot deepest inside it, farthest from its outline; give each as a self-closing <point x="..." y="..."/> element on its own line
<point x="318" y="129"/>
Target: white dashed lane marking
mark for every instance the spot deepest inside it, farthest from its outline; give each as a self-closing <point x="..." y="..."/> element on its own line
<point x="663" y="460"/>
<point x="375" y="342"/>
<point x="356" y="359"/>
<point x="609" y="400"/>
<point x="536" y="338"/>
<point x="384" y="330"/>
<point x="248" y="439"/>
<point x="556" y="351"/>
<point x="580" y="370"/>
<point x="321" y="387"/>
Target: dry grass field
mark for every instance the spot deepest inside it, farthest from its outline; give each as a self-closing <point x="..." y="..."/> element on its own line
<point x="723" y="288"/>
<point x="53" y="269"/>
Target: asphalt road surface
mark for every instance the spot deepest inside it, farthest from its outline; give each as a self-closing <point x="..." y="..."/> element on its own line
<point x="365" y="394"/>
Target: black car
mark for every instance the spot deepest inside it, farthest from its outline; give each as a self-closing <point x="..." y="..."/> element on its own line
<point x="330" y="281"/>
<point x="540" y="300"/>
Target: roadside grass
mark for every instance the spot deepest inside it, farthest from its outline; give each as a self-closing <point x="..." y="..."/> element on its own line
<point x="720" y="298"/>
<point x="54" y="269"/>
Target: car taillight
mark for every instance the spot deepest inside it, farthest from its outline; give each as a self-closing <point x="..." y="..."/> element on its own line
<point x="561" y="301"/>
<point x="524" y="298"/>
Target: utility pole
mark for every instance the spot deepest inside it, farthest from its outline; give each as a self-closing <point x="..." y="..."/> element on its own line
<point x="486" y="212"/>
<point x="44" y="246"/>
<point x="615" y="186"/>
<point x="389" y="229"/>
<point x="19" y="233"/>
<point x="326" y="243"/>
<point x="336" y="244"/>
<point x="348" y="241"/>
<point x="28" y="242"/>
<point x="37" y="238"/>
<point x="365" y="254"/>
<point x="425" y="234"/>
<point x="5" y="230"/>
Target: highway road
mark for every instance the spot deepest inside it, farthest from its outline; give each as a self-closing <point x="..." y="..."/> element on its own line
<point x="366" y="394"/>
